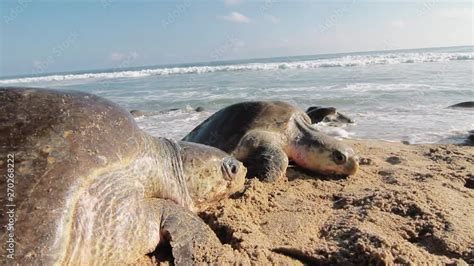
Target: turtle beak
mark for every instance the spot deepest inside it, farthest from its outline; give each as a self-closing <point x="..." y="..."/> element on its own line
<point x="352" y="165"/>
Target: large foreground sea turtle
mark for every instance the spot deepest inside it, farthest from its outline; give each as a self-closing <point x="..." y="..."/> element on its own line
<point x="265" y="134"/>
<point x="89" y="187"/>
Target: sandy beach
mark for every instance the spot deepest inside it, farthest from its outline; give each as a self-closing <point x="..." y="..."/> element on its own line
<point x="407" y="204"/>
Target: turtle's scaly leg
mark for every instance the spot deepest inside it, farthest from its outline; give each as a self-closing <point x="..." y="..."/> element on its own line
<point x="184" y="229"/>
<point x="267" y="163"/>
<point x="262" y="154"/>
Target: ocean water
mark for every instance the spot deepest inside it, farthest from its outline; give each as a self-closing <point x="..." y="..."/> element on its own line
<point x="392" y="95"/>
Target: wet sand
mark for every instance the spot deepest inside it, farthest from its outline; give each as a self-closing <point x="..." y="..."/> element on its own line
<point x="407" y="204"/>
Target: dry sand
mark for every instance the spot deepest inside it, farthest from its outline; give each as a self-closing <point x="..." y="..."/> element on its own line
<point x="407" y="204"/>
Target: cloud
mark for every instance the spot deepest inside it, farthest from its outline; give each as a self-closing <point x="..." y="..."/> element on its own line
<point x="116" y="56"/>
<point x="270" y="18"/>
<point x="397" y="24"/>
<point x="235" y="17"/>
<point x="456" y="13"/>
<point x="232" y="2"/>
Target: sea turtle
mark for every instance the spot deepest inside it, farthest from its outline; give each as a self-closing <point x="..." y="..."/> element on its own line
<point x="327" y="114"/>
<point x="470" y="137"/>
<point x="264" y="135"/>
<point x="89" y="187"/>
<point x="462" y="105"/>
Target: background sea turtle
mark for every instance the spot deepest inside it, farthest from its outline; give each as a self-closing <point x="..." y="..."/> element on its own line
<point x="92" y="188"/>
<point x="470" y="137"/>
<point x="462" y="105"/>
<point x="265" y="134"/>
<point x="327" y="114"/>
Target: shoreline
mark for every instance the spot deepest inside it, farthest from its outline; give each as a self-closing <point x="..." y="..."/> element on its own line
<point x="407" y="204"/>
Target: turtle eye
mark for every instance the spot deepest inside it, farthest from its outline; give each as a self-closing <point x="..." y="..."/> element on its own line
<point x="231" y="166"/>
<point x="339" y="157"/>
<point x="233" y="169"/>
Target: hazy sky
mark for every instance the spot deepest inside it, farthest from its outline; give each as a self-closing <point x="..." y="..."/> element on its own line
<point x="53" y="36"/>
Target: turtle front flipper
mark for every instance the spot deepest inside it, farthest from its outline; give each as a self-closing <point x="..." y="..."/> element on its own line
<point x="185" y="231"/>
<point x="263" y="155"/>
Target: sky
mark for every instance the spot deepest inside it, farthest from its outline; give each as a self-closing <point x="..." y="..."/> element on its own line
<point x="38" y="37"/>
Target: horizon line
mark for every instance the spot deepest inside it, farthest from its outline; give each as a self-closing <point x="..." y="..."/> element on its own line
<point x="164" y="65"/>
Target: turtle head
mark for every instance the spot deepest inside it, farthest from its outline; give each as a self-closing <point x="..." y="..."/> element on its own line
<point x="318" y="152"/>
<point x="210" y="173"/>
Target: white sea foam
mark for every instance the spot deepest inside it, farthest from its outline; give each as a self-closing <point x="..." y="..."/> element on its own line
<point x="173" y="125"/>
<point x="344" y="61"/>
<point x="339" y="132"/>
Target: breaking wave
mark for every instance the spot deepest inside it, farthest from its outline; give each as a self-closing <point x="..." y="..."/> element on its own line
<point x="344" y="61"/>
